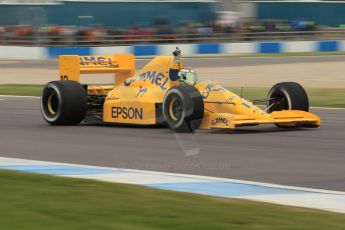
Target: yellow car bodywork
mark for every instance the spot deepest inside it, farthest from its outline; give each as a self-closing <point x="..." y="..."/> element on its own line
<point x="137" y="96"/>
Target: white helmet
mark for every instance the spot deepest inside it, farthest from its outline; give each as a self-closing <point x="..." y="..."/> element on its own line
<point x="188" y="74"/>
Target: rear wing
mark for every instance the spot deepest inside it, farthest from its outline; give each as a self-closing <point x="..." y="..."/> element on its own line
<point x="122" y="65"/>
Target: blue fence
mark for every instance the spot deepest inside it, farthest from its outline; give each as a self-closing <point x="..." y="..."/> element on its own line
<point x="213" y="48"/>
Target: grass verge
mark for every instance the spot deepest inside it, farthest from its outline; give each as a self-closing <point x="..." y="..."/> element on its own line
<point x="31" y="201"/>
<point x="21" y="90"/>
<point x="323" y="97"/>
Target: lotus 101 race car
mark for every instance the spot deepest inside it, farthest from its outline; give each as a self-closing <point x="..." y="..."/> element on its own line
<point x="164" y="92"/>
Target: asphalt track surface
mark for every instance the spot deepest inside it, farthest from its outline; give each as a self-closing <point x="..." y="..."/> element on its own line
<point x="197" y="62"/>
<point x="298" y="157"/>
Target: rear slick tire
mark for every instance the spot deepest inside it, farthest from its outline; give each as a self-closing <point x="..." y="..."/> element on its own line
<point x="63" y="103"/>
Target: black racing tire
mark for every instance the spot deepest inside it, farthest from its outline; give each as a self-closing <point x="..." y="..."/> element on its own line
<point x="287" y="96"/>
<point x="63" y="103"/>
<point x="183" y="108"/>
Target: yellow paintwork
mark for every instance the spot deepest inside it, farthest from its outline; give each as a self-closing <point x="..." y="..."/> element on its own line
<point x="71" y="66"/>
<point x="145" y="89"/>
<point x="136" y="95"/>
<point x="224" y="109"/>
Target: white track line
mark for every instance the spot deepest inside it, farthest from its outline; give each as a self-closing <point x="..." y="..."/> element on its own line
<point x="300" y="197"/>
<point x="20" y="161"/>
<point x="329" y="108"/>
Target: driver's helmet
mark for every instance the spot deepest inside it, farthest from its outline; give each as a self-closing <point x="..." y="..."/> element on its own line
<point x="188" y="74"/>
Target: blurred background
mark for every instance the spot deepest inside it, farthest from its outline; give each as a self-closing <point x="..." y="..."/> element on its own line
<point x="57" y="23"/>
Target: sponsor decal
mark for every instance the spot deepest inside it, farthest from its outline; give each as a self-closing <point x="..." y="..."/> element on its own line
<point x="142" y="91"/>
<point x="246" y="105"/>
<point x="104" y="61"/>
<point x="64" y="77"/>
<point x="230" y="99"/>
<point x="129" y="81"/>
<point x="158" y="79"/>
<point x="127" y="112"/>
<point x="220" y="120"/>
<point x="218" y="89"/>
<point x="211" y="88"/>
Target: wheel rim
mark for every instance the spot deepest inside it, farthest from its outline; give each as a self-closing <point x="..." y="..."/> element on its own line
<point x="175" y="109"/>
<point x="51" y="103"/>
<point x="280" y="102"/>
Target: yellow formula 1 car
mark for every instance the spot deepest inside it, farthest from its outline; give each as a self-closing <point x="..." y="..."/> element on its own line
<point x="163" y="92"/>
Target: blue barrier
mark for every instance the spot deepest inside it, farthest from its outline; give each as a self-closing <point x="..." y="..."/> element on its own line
<point x="328" y="46"/>
<point x="144" y="50"/>
<point x="187" y="49"/>
<point x="269" y="47"/>
<point x="209" y="48"/>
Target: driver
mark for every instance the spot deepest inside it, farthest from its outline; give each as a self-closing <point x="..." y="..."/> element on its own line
<point x="187" y="75"/>
<point x="176" y="66"/>
<point x="177" y="73"/>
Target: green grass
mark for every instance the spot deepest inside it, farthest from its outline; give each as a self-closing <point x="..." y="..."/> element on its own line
<point x="22" y="90"/>
<point x="30" y="201"/>
<point x="318" y="96"/>
<point x="322" y="97"/>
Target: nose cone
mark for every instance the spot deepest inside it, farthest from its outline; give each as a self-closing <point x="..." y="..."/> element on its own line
<point x="244" y="107"/>
<point x="220" y="100"/>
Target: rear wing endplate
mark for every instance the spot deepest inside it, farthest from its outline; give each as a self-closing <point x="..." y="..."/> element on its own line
<point x="122" y="65"/>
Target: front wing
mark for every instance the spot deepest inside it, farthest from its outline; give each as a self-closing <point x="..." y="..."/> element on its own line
<point x="288" y="118"/>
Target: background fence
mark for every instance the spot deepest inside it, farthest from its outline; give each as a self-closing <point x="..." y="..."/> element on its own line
<point x="103" y="40"/>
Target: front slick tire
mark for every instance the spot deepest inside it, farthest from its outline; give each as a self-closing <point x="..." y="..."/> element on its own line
<point x="63" y="103"/>
<point x="183" y="108"/>
<point x="287" y="96"/>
